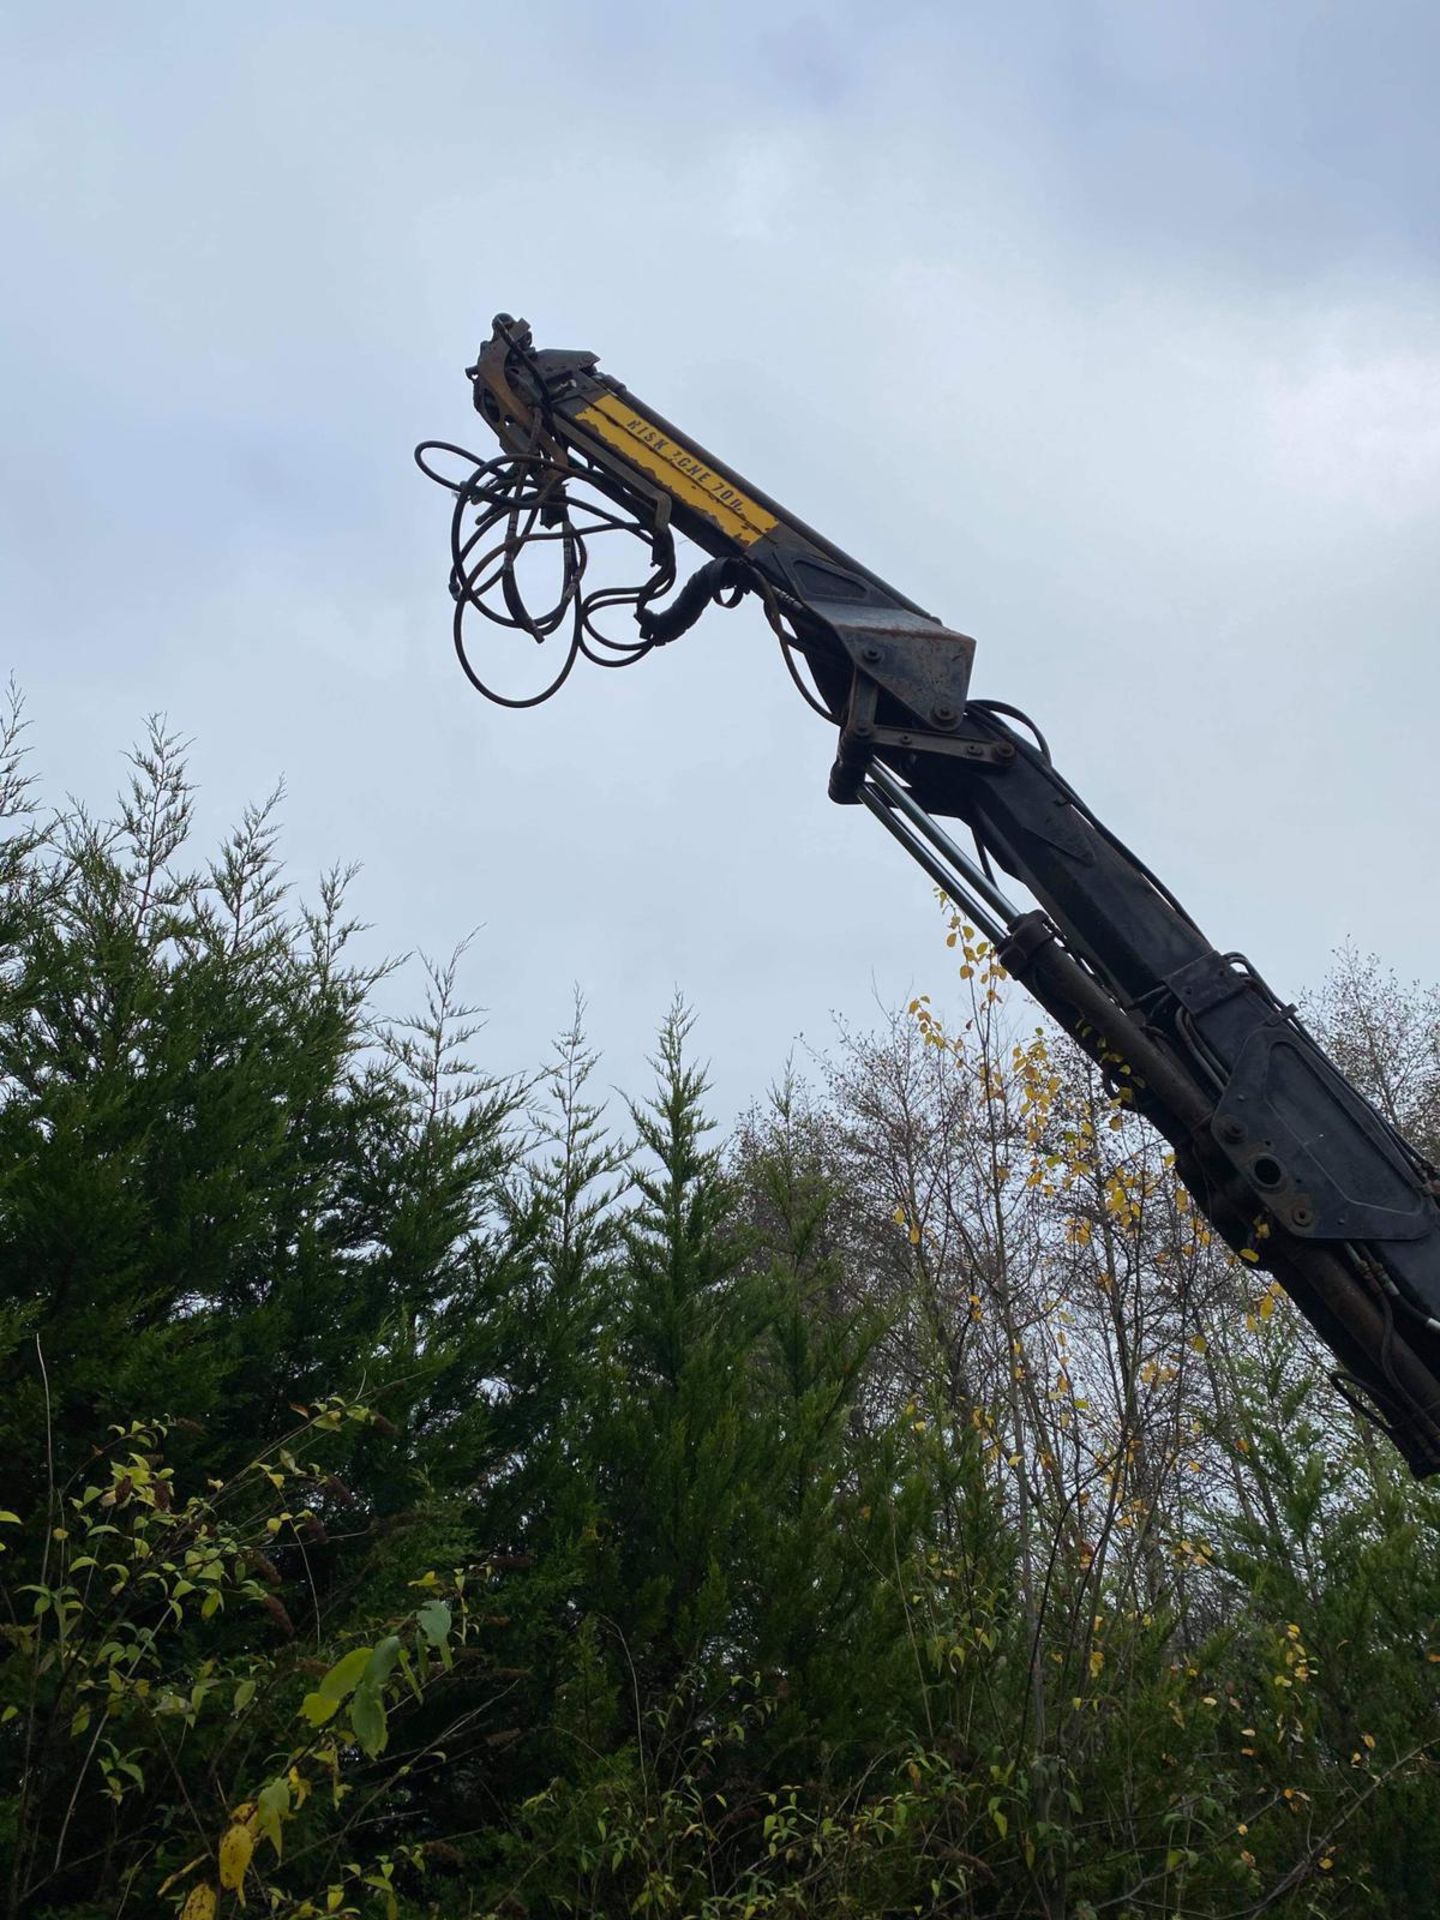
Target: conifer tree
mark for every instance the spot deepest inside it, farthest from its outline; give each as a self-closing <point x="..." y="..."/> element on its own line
<point x="835" y="1511"/>
<point x="675" y="1444"/>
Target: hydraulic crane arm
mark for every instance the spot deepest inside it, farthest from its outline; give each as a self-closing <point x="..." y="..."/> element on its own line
<point x="1284" y="1157"/>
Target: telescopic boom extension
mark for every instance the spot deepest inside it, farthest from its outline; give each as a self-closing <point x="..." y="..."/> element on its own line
<point x="1283" y="1156"/>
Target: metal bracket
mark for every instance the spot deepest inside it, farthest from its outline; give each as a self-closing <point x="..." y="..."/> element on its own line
<point x="1206" y="982"/>
<point x="862" y="734"/>
<point x="1332" y="1184"/>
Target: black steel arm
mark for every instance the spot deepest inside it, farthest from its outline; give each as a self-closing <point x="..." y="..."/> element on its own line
<point x="1282" y="1155"/>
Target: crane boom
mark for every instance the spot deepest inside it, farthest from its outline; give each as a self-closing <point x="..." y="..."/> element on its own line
<point x="1292" y="1166"/>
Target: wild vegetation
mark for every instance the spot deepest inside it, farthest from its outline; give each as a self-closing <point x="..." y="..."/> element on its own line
<point x="421" y="1498"/>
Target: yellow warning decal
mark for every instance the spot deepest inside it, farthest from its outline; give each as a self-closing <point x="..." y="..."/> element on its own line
<point x="677" y="469"/>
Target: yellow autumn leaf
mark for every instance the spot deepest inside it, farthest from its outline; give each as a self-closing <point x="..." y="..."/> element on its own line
<point x="914" y="1236"/>
<point x="235" y="1851"/>
<point x="200" y="1905"/>
<point x="1249" y="1253"/>
<point x="1198" y="1342"/>
<point x="1097" y="1661"/>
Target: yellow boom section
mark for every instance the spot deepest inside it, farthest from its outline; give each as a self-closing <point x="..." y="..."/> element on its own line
<point x="617" y="423"/>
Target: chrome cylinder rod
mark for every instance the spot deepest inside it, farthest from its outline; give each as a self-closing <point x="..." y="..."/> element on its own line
<point x="969" y="878"/>
<point x="950" y="882"/>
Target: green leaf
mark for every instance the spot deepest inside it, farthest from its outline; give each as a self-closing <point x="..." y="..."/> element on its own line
<point x="409" y="1672"/>
<point x="433" y="1620"/>
<point x="271" y="1806"/>
<point x="382" y="1661"/>
<point x="317" y="1708"/>
<point x="367" y="1718"/>
<point x="8" y="1519"/>
<point x="244" y="1694"/>
<point x="339" y="1682"/>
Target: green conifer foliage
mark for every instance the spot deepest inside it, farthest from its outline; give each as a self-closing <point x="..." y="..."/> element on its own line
<point x="674" y="1444"/>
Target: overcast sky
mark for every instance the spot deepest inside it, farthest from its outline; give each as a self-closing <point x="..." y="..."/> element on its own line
<point x="1109" y="331"/>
